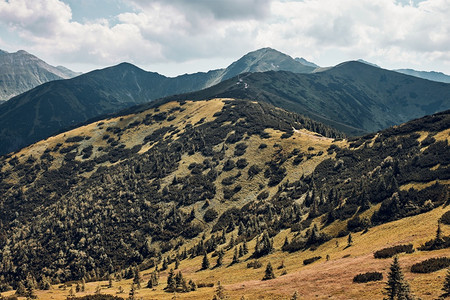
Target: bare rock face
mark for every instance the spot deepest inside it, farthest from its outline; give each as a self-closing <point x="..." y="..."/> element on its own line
<point x="22" y="71"/>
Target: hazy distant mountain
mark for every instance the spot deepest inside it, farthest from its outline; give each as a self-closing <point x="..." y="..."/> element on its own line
<point x="22" y="71"/>
<point x="353" y="97"/>
<point x="306" y="63"/>
<point x="266" y="59"/>
<point x="435" y="76"/>
<point x="55" y="105"/>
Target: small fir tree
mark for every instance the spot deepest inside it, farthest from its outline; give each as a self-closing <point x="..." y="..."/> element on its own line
<point x="397" y="287"/>
<point x="245" y="247"/>
<point x="205" y="262"/>
<point x="295" y="296"/>
<point x="446" y="287"/>
<point x="349" y="240"/>
<point x="220" y="255"/>
<point x="235" y="256"/>
<point x="137" y="278"/>
<point x="269" y="272"/>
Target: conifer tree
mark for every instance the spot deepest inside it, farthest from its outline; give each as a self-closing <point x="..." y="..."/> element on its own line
<point x="132" y="292"/>
<point x="349" y="240"/>
<point x="205" y="262"/>
<point x="397" y="287"/>
<point x="177" y="263"/>
<point x="110" y="283"/>
<point x="192" y="285"/>
<point x="137" y="278"/>
<point x="171" y="280"/>
<point x="220" y="255"/>
<point x="241" y="251"/>
<point x="235" y="256"/>
<point x="269" y="272"/>
<point x="78" y="287"/>
<point x="220" y="292"/>
<point x="83" y="285"/>
<point x="21" y="291"/>
<point x="245" y="247"/>
<point x="295" y="296"/>
<point x="446" y="287"/>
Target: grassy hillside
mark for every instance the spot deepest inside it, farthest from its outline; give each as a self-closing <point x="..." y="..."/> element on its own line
<point x="334" y="277"/>
<point x="187" y="178"/>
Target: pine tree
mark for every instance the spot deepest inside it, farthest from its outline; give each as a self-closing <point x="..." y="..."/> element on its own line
<point x="397" y="287"/>
<point x="83" y="285"/>
<point x="245" y="247"/>
<point x="137" y="278"/>
<point x="177" y="263"/>
<point x="295" y="296"/>
<point x="241" y="251"/>
<point x="21" y="291"/>
<point x="349" y="240"/>
<point x="71" y="293"/>
<point x="220" y="255"/>
<point x="235" y="256"/>
<point x="220" y="292"/>
<point x="110" y="283"/>
<point x="30" y="292"/>
<point x="446" y="287"/>
<point x="269" y="272"/>
<point x="205" y="262"/>
<point x="164" y="265"/>
<point x="171" y="284"/>
<point x="78" y="287"/>
<point x="132" y="292"/>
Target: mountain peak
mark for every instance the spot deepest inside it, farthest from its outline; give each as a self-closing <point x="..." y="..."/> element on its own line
<point x="263" y="60"/>
<point x="306" y="62"/>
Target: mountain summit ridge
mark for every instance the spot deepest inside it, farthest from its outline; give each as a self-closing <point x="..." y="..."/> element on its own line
<point x="22" y="71"/>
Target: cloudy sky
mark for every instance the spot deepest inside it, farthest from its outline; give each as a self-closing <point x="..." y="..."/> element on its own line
<point x="184" y="36"/>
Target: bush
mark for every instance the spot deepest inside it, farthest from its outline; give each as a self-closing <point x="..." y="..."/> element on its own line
<point x="445" y="219"/>
<point x="369" y="276"/>
<point x="256" y="264"/>
<point x="241" y="163"/>
<point x="431" y="265"/>
<point x="391" y="251"/>
<point x="204" y="284"/>
<point x="311" y="260"/>
<point x="253" y="170"/>
<point x="228" y="165"/>
<point x="240" y="149"/>
<point x="210" y="215"/>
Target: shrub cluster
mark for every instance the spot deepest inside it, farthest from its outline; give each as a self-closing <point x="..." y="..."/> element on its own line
<point x="391" y="251"/>
<point x="431" y="265"/>
<point x="366" y="277"/>
<point x="311" y="260"/>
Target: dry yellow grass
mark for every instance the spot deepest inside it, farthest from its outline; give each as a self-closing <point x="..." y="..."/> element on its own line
<point x="321" y="280"/>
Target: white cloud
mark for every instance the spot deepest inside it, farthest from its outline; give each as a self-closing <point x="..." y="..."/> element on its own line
<point x="388" y="32"/>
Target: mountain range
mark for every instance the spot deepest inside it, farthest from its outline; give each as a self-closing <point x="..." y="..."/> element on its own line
<point x="435" y="76"/>
<point x="22" y="71"/>
<point x="353" y="97"/>
<point x="55" y="105"/>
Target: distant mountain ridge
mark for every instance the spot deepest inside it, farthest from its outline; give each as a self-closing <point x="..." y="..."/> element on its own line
<point x="434" y="76"/>
<point x="22" y="71"/>
<point x="353" y="97"/>
<point x="56" y="105"/>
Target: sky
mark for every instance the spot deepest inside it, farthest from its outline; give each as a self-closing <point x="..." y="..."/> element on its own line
<point x="186" y="36"/>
